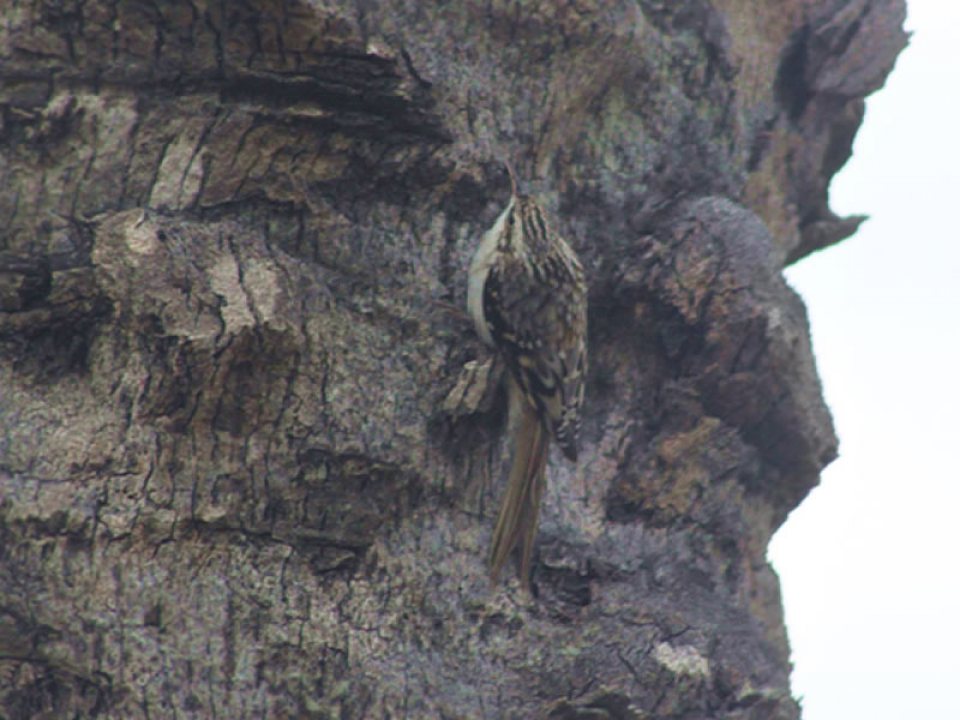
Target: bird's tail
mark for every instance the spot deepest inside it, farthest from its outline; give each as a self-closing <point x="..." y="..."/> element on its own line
<point x="520" y="509"/>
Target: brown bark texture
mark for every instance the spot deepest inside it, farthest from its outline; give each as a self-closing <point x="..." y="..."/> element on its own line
<point x="249" y="454"/>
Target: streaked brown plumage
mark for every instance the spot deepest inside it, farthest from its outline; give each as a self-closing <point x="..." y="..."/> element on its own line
<point x="528" y="299"/>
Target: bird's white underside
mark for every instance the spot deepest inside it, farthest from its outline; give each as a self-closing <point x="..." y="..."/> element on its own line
<point x="483" y="258"/>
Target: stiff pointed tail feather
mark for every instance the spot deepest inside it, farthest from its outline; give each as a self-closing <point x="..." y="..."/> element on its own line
<point x="520" y="509"/>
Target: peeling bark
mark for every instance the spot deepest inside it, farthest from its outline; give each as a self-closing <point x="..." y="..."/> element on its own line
<point x="249" y="456"/>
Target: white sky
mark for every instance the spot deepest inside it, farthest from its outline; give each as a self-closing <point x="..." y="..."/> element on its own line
<point x="870" y="562"/>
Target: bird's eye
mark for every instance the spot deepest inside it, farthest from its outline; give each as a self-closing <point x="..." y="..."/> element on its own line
<point x="510" y="221"/>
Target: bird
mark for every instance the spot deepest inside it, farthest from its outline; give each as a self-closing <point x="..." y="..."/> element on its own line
<point x="527" y="296"/>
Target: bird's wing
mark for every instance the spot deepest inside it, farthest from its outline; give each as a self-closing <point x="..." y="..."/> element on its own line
<point x="537" y="316"/>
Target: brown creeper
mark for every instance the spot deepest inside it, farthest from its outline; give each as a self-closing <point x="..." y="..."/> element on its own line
<point x="528" y="300"/>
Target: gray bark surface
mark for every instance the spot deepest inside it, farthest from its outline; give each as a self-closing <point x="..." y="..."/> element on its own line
<point x="249" y="456"/>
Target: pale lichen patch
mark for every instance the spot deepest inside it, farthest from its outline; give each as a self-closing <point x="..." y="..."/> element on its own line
<point x="682" y="660"/>
<point x="225" y="282"/>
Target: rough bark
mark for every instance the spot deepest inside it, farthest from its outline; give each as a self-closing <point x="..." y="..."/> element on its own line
<point x="249" y="458"/>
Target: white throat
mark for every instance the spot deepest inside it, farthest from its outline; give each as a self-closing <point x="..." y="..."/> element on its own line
<point x="483" y="259"/>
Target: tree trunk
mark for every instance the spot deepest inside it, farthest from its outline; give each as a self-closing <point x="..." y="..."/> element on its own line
<point x="250" y="455"/>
